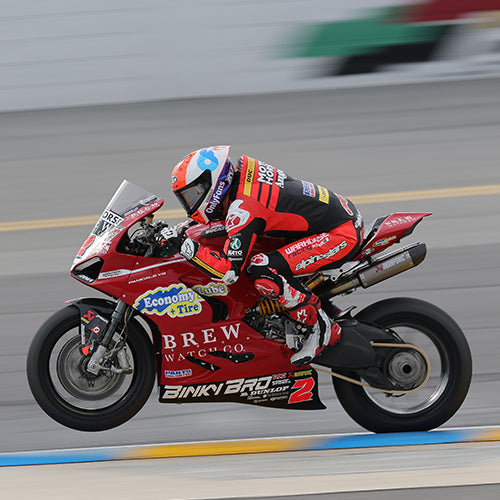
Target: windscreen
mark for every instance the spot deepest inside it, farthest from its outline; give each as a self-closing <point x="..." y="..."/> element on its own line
<point x="128" y="199"/>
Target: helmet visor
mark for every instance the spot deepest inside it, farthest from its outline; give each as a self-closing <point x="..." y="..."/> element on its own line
<point x="194" y="193"/>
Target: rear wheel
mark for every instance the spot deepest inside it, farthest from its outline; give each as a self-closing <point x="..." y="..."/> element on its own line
<point x="64" y="389"/>
<point x="432" y="330"/>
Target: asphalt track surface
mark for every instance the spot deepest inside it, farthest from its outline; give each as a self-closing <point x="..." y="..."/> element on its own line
<point x="393" y="139"/>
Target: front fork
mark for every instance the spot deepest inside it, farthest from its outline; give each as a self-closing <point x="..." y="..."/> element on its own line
<point x="95" y="363"/>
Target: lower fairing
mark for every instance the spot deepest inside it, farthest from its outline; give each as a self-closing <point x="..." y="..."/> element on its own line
<point x="295" y="390"/>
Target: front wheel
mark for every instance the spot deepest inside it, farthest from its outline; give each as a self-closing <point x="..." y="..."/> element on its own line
<point x="438" y="335"/>
<point x="57" y="376"/>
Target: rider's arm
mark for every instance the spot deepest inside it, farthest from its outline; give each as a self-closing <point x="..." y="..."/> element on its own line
<point x="226" y="265"/>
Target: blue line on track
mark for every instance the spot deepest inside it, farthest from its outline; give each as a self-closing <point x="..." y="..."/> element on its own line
<point x="304" y="443"/>
<point x="393" y="439"/>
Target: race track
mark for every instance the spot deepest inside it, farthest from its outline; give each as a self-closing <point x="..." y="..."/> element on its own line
<point x="67" y="163"/>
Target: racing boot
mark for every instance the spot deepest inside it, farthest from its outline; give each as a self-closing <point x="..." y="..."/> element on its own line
<point x="323" y="330"/>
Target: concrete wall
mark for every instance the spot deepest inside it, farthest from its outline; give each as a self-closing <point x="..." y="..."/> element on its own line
<point x="74" y="52"/>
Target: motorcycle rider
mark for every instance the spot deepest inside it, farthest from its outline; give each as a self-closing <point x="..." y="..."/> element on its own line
<point x="323" y="229"/>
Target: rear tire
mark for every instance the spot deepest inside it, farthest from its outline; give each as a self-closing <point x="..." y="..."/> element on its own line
<point x="62" y="388"/>
<point x="451" y="370"/>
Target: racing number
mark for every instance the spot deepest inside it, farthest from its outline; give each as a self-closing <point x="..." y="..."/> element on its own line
<point x="303" y="391"/>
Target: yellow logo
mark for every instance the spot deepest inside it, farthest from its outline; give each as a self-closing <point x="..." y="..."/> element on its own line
<point x="247" y="188"/>
<point x="323" y="194"/>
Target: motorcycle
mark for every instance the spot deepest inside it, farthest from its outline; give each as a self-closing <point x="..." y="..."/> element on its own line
<point x="401" y="364"/>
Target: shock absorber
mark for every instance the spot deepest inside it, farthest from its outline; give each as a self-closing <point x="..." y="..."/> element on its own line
<point x="268" y="306"/>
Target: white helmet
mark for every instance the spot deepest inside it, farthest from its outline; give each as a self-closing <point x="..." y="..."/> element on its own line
<point x="201" y="180"/>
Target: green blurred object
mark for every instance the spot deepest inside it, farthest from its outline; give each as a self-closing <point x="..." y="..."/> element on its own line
<point x="363" y="36"/>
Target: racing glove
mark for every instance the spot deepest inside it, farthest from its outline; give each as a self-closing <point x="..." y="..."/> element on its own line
<point x="170" y="238"/>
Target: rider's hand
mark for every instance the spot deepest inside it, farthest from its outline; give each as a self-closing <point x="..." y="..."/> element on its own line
<point x="171" y="238"/>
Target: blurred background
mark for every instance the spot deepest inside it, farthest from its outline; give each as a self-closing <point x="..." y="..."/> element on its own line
<point x="366" y="97"/>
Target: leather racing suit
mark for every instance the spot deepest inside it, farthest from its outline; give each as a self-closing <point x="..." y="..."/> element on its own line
<point x="324" y="227"/>
<point x="324" y="230"/>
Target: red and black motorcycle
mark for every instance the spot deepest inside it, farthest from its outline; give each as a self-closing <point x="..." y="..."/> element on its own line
<point x="401" y="364"/>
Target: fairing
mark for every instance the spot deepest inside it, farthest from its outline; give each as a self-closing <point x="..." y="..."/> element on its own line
<point x="207" y="351"/>
<point x="386" y="231"/>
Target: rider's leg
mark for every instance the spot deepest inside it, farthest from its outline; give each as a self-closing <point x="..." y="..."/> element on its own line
<point x="274" y="276"/>
<point x="302" y="305"/>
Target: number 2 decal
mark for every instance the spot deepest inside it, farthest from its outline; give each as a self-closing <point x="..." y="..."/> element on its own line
<point x="303" y="391"/>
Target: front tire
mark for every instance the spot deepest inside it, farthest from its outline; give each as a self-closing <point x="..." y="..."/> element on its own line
<point x="426" y="326"/>
<point x="67" y="393"/>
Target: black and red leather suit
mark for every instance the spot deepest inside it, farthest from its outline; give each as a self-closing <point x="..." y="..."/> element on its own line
<point x="324" y="228"/>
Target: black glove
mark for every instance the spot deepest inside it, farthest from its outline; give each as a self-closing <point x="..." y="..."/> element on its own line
<point x="170" y="238"/>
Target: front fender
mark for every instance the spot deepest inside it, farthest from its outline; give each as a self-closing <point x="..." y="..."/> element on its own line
<point x="103" y="306"/>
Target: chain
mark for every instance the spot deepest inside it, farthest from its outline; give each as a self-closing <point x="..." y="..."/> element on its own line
<point x="379" y="344"/>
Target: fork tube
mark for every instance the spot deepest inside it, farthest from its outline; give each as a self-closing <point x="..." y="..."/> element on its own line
<point x="116" y="319"/>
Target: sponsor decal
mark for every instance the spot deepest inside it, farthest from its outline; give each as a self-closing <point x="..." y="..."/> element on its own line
<point x="399" y="259"/>
<point x="287" y="388"/>
<point x="235" y="244"/>
<point x="113" y="274"/>
<point x="397" y="221"/>
<point x="206" y="336"/>
<point x="247" y="186"/>
<point x="384" y="241"/>
<point x="88" y="316"/>
<point x="323" y="194"/>
<point x="281" y="390"/>
<point x="314" y="258"/>
<point x="236" y="216"/>
<point x="175" y="300"/>
<point x="307" y="244"/>
<point x="234" y="249"/>
<point x="178" y="373"/>
<point x="266" y="175"/>
<point x="107" y="220"/>
<point x="219" y="193"/>
<point x="92" y="325"/>
<point x="83" y="277"/>
<point x="199" y="344"/>
<point x="214" y="232"/>
<point x="211" y="290"/>
<point x="359" y="220"/>
<point x="139" y="212"/>
<point x="308" y="189"/>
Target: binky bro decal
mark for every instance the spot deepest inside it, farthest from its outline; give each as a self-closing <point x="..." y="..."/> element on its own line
<point x="175" y="300"/>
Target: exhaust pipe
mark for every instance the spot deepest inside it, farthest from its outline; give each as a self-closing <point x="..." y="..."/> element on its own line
<point x="379" y="270"/>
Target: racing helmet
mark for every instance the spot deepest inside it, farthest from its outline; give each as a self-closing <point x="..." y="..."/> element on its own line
<point x="201" y="180"/>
